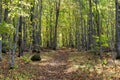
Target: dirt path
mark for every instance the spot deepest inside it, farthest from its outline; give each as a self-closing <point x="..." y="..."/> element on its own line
<point x="61" y="65"/>
<point x="59" y="68"/>
<point x="55" y="69"/>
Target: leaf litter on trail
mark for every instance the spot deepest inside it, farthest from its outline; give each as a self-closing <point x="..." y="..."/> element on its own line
<point x="63" y="65"/>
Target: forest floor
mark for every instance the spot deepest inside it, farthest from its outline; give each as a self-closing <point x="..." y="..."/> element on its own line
<point x="63" y="64"/>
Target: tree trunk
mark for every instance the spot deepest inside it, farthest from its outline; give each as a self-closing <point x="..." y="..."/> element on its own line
<point x="99" y="30"/>
<point x="5" y="13"/>
<point x="56" y="24"/>
<point x="77" y="35"/>
<point x="20" y="37"/>
<point x="90" y="26"/>
<point x="24" y="35"/>
<point x="4" y="36"/>
<point x="51" y="27"/>
<point x="39" y="38"/>
<point x="0" y="47"/>
<point x="33" y="29"/>
<point x="117" y="29"/>
<point x="15" y="44"/>
<point x="0" y="34"/>
<point x="81" y="23"/>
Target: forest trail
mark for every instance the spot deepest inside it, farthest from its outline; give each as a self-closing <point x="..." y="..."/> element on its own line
<point x="57" y="68"/>
<point x="68" y="65"/>
<point x="61" y="65"/>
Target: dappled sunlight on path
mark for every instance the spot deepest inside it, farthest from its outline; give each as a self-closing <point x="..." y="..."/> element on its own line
<point x="64" y="65"/>
<point x="57" y="68"/>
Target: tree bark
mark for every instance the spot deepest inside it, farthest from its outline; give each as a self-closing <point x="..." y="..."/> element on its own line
<point x="56" y="23"/>
<point x="99" y="31"/>
<point x="117" y="29"/>
<point x="90" y="25"/>
<point x="39" y="41"/>
<point x="24" y="35"/>
<point x="0" y="34"/>
<point x="5" y="12"/>
<point x="81" y="23"/>
<point x="15" y="44"/>
<point x="33" y="28"/>
<point x="51" y="27"/>
<point x="20" y="37"/>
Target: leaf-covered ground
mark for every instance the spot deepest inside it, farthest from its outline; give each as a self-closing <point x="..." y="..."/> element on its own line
<point x="64" y="64"/>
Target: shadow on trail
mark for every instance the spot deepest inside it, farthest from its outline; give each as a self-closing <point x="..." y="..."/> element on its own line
<point x="58" y="69"/>
<point x="61" y="65"/>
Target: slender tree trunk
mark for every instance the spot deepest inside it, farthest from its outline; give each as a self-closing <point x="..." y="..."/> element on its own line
<point x="0" y="47"/>
<point x="117" y="28"/>
<point x="81" y="23"/>
<point x="71" y="45"/>
<point x="90" y="26"/>
<point x="47" y="33"/>
<point x="5" y="13"/>
<point x="56" y="23"/>
<point x="20" y="37"/>
<point x="63" y="40"/>
<point x="99" y="30"/>
<point x="4" y="36"/>
<point x="10" y="51"/>
<point x="24" y="35"/>
<point x="0" y="34"/>
<point x="15" y="44"/>
<point x="51" y="28"/>
<point x="78" y="39"/>
<point x="77" y="35"/>
<point x="85" y="32"/>
<point x="33" y="29"/>
<point x="39" y="41"/>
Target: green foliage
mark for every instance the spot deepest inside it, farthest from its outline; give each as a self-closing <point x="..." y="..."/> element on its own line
<point x="19" y="76"/>
<point x="16" y="66"/>
<point x="18" y="8"/>
<point x="26" y="58"/>
<point x="104" y="62"/>
<point x="6" y="28"/>
<point x="5" y="46"/>
<point x="7" y="78"/>
<point x="103" y="39"/>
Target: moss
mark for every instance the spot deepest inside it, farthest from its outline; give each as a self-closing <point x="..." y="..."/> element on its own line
<point x="36" y="57"/>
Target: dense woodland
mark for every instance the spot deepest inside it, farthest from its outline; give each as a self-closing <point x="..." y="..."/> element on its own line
<point x="35" y="26"/>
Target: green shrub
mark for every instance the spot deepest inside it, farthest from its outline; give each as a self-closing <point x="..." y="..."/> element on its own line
<point x="36" y="57"/>
<point x="26" y="58"/>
